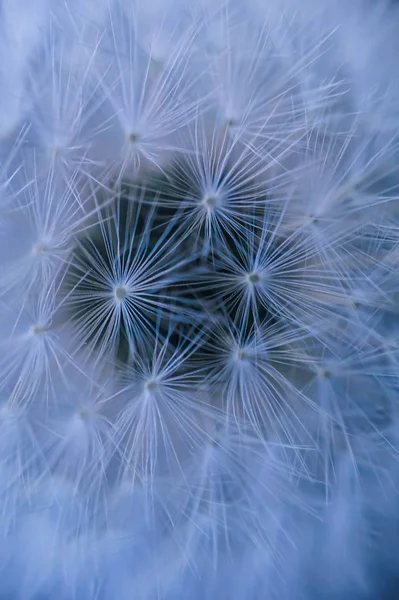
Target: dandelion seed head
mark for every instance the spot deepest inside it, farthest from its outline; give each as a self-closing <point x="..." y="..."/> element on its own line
<point x="231" y="122"/>
<point x="325" y="373"/>
<point x="133" y="137"/>
<point x="198" y="299"/>
<point x="37" y="329"/>
<point x="83" y="414"/>
<point x="41" y="248"/>
<point x="151" y="385"/>
<point x="241" y="354"/>
<point x="253" y="278"/>
<point x="212" y="203"/>
<point x="121" y="292"/>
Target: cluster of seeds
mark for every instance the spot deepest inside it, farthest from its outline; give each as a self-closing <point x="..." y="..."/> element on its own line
<point x="198" y="299"/>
